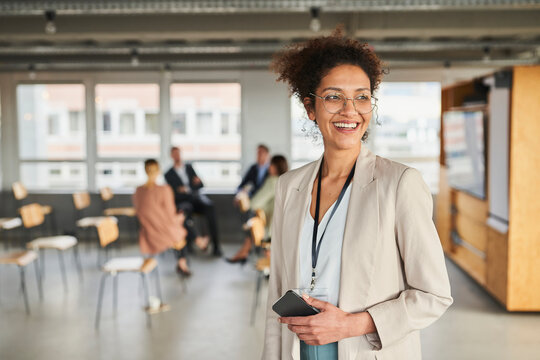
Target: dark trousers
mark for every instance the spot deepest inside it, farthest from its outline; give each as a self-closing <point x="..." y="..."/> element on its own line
<point x="201" y="204"/>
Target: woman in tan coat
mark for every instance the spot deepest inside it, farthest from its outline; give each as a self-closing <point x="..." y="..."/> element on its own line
<point x="161" y="227"/>
<point x="352" y="231"/>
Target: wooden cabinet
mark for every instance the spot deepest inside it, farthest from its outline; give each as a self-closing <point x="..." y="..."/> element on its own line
<point x="496" y="240"/>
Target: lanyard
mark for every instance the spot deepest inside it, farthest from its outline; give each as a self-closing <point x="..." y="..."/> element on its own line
<point x="315" y="248"/>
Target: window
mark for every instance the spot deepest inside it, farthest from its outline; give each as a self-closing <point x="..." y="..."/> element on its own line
<point x="409" y="113"/>
<point x="127" y="124"/>
<point x="206" y="122"/>
<point x="54" y="175"/>
<point x="122" y="110"/>
<point x="75" y="122"/>
<point x="179" y="123"/>
<point x="118" y="175"/>
<point x="304" y="146"/>
<point x="151" y="123"/>
<point x="54" y="124"/>
<point x="50" y="152"/>
<point x="106" y="122"/>
<point x="225" y="124"/>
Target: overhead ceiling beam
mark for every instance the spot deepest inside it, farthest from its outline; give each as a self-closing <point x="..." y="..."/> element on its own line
<point x="77" y="7"/>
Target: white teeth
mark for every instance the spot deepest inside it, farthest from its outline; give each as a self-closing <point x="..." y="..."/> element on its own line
<point x="346" y="125"/>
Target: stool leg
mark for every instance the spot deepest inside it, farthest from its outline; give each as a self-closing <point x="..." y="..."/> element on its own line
<point x="23" y="288"/>
<point x="147" y="301"/>
<point x="63" y="268"/>
<point x="115" y="293"/>
<point x="38" y="279"/>
<point x="78" y="261"/>
<point x="42" y="263"/>
<point x="260" y="275"/>
<point x="100" y="299"/>
<point x="158" y="285"/>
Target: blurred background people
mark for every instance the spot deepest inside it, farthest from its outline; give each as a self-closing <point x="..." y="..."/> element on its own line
<point x="161" y="226"/>
<point x="264" y="200"/>
<point x="186" y="186"/>
<point x="257" y="173"/>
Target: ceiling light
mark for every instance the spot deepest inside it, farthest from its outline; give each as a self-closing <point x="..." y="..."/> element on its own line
<point x="134" y="58"/>
<point x="315" y="24"/>
<point x="50" y="26"/>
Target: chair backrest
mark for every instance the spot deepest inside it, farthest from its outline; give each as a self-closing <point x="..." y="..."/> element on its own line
<point x="107" y="231"/>
<point x="19" y="190"/>
<point x="257" y="231"/>
<point x="81" y="200"/>
<point x="106" y="193"/>
<point x="32" y="215"/>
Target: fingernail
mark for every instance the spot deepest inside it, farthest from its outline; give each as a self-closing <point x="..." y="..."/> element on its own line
<point x="305" y="296"/>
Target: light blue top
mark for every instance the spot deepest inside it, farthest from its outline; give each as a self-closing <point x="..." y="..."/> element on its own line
<point x="328" y="270"/>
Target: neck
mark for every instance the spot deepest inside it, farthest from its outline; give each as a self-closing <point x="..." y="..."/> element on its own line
<point x="338" y="163"/>
<point x="178" y="164"/>
<point x="150" y="183"/>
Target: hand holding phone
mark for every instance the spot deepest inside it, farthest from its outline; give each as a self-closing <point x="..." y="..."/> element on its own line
<point x="292" y="304"/>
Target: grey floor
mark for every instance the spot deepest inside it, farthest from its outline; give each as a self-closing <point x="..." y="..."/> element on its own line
<point x="211" y="319"/>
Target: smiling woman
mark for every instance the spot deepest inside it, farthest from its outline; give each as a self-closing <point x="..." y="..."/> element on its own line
<point x="352" y="231"/>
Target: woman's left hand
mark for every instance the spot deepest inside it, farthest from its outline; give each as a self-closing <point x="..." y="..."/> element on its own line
<point x="330" y="325"/>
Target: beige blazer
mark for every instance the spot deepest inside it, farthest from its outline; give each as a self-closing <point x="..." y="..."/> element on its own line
<point x="392" y="260"/>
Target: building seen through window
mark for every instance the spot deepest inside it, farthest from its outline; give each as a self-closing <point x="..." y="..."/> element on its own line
<point x="205" y="125"/>
<point x="52" y="136"/>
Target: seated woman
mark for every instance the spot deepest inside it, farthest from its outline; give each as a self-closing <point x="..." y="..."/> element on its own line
<point x="263" y="199"/>
<point x="161" y="226"/>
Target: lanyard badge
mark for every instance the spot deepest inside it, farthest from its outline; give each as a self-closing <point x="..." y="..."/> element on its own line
<point x="315" y="248"/>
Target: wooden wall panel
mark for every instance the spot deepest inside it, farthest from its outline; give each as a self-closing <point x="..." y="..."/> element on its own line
<point x="524" y="210"/>
<point x="442" y="211"/>
<point x="471" y="206"/>
<point x="473" y="264"/>
<point x="497" y="265"/>
<point x="472" y="231"/>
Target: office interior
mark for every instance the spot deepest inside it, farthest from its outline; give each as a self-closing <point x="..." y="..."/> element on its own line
<point x="90" y="90"/>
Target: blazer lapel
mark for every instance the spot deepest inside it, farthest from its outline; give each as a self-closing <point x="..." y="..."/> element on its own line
<point x="296" y="212"/>
<point x="359" y="243"/>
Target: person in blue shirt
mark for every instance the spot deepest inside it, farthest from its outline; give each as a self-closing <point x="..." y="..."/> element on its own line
<point x="257" y="173"/>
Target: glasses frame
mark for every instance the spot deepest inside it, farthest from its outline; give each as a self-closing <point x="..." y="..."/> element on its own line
<point x="323" y="98"/>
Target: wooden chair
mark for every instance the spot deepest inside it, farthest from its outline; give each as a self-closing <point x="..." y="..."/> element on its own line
<point x="20" y="193"/>
<point x="108" y="233"/>
<point x="106" y="196"/>
<point x="32" y="217"/>
<point x="81" y="200"/>
<point x="9" y="224"/>
<point x="22" y="259"/>
<point x="262" y="264"/>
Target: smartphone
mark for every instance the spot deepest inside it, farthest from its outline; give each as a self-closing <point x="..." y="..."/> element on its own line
<point x="292" y="304"/>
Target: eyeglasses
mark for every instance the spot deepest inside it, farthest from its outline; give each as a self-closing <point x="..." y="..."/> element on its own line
<point x="335" y="103"/>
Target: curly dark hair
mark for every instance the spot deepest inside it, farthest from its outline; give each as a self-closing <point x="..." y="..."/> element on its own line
<point x="303" y="65"/>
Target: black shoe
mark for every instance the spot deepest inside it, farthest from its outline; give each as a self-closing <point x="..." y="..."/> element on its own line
<point x="241" y="261"/>
<point x="179" y="271"/>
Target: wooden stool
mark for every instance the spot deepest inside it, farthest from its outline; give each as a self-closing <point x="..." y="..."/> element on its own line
<point x="32" y="216"/>
<point x="22" y="259"/>
<point x="108" y="233"/>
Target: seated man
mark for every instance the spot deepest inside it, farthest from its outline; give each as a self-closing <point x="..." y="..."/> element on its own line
<point x="186" y="185"/>
<point x="257" y="172"/>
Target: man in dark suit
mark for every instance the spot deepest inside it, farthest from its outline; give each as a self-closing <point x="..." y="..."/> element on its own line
<point x="257" y="172"/>
<point x="186" y="185"/>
